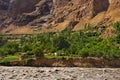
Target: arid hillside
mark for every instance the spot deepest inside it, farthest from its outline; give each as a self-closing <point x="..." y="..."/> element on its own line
<point x="55" y="15"/>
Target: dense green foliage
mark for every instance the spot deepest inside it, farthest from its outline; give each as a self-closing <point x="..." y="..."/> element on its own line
<point x="83" y="43"/>
<point x="9" y="48"/>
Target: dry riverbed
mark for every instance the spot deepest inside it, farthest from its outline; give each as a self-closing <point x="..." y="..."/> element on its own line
<point x="58" y="73"/>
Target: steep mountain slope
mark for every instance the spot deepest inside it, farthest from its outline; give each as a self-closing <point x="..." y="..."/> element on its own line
<point x="56" y="15"/>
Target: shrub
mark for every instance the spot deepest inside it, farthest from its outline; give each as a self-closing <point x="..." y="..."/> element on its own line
<point x="29" y="61"/>
<point x="38" y="52"/>
<point x="11" y="47"/>
<point x="29" y="53"/>
<point x="60" y="43"/>
<point x="26" y="47"/>
<point x="84" y="53"/>
<point x="5" y="63"/>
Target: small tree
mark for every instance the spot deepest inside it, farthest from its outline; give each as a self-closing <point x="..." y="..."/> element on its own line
<point x="38" y="52"/>
<point x="11" y="47"/>
<point x="60" y="43"/>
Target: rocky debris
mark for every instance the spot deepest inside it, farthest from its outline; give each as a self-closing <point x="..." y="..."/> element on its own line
<point x="57" y="73"/>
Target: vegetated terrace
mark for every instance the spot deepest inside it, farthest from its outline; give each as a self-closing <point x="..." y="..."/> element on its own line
<point x="66" y="44"/>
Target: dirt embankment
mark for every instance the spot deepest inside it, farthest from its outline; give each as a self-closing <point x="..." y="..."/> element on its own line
<point x="79" y="62"/>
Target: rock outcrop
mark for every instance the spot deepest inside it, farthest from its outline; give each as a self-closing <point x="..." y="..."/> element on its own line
<point x="4" y="4"/>
<point x="57" y="15"/>
<point x="113" y="13"/>
<point x="115" y="4"/>
<point x="18" y="7"/>
<point x="42" y="8"/>
<point x="77" y="10"/>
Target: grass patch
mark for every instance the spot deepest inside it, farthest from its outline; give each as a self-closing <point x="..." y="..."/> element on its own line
<point x="10" y="58"/>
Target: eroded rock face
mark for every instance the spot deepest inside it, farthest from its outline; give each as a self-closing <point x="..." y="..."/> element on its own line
<point x="61" y="10"/>
<point x="42" y="8"/>
<point x="81" y="8"/>
<point x="18" y="7"/>
<point x="11" y="9"/>
<point x="77" y="9"/>
<point x="51" y="13"/>
<point x="113" y="12"/>
<point x="114" y="5"/>
<point x="4" y="4"/>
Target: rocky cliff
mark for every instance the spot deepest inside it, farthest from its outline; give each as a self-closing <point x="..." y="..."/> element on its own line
<point x="56" y="15"/>
<point x="3" y="9"/>
<point x="18" y="7"/>
<point x="113" y="12"/>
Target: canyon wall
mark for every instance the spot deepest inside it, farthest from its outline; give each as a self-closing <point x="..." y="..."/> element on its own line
<point x="58" y="14"/>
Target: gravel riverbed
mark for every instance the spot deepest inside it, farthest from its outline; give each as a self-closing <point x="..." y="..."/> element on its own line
<point x="58" y="73"/>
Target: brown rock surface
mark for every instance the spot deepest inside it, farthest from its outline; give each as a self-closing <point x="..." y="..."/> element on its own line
<point x="42" y="8"/>
<point x="115" y="4"/>
<point x="18" y="7"/>
<point x="113" y="12"/>
<point x="50" y="15"/>
<point x="3" y="9"/>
